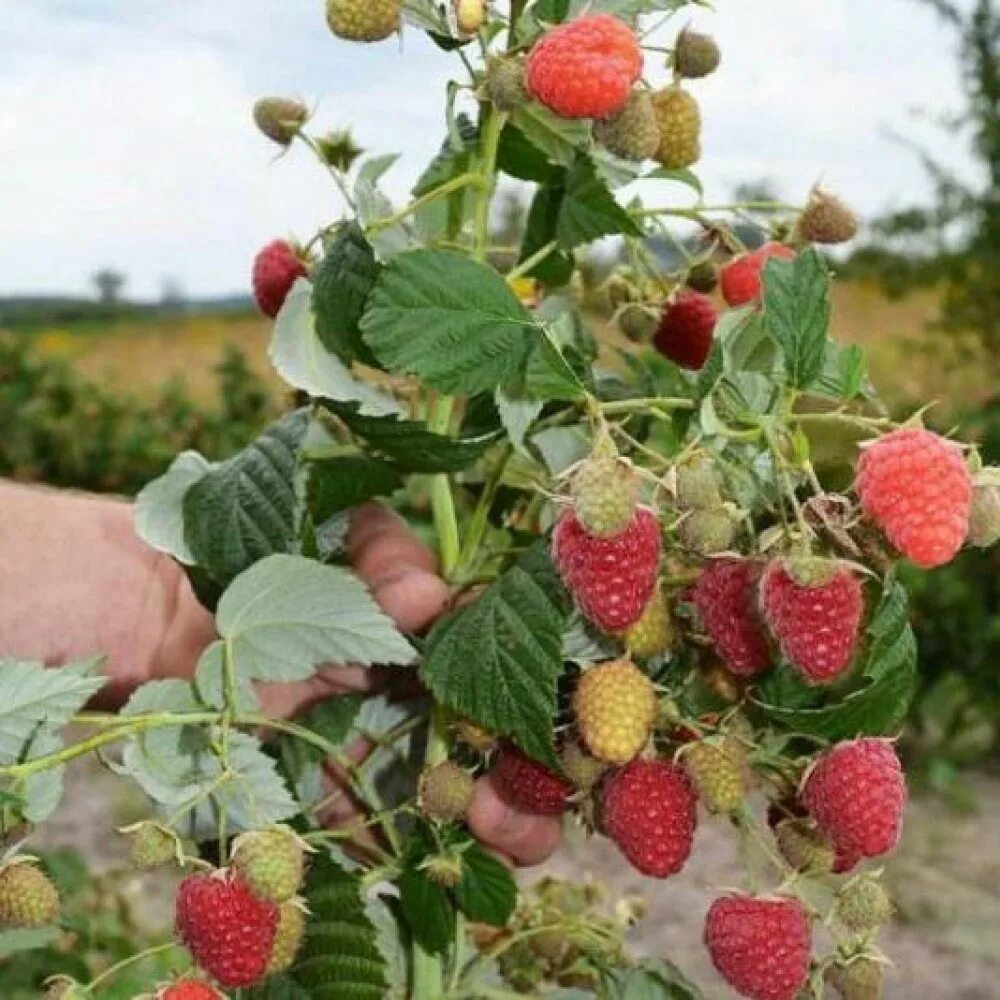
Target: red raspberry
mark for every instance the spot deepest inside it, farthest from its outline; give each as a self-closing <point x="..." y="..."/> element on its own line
<point x="761" y="947"/>
<point x="190" y="989"/>
<point x="816" y="626"/>
<point x="649" y="811"/>
<point x="856" y="793"/>
<point x="724" y="597"/>
<point x="586" y="68"/>
<point x="227" y="929"/>
<point x="917" y="488"/>
<point x="685" y="331"/>
<point x="612" y="578"/>
<point x="741" y="278"/>
<point x="527" y="785"/>
<point x="275" y="269"/>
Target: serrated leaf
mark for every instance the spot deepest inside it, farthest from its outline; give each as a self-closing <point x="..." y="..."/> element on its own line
<point x="411" y="446"/>
<point x="513" y="634"/>
<point x="653" y="979"/>
<point x="302" y="360"/>
<point x="33" y="696"/>
<point x="159" y="514"/>
<point x="588" y="210"/>
<point x="209" y="679"/>
<point x="427" y="910"/>
<point x="341" y="284"/>
<point x="449" y="319"/>
<point x="877" y="704"/>
<point x="796" y="302"/>
<point x="254" y="795"/>
<point x="374" y="206"/>
<point x="337" y="484"/>
<point x="286" y="615"/>
<point x="279" y="987"/>
<point x="519" y="157"/>
<point x="245" y="508"/>
<point x="487" y="892"/>
<point x="556" y="269"/>
<point x="843" y="373"/>
<point x="42" y="791"/>
<point x="340" y="958"/>
<point x="558" y="138"/>
<point x="517" y="414"/>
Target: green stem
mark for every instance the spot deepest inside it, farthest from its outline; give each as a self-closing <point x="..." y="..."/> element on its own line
<point x="657" y="402"/>
<point x="332" y="171"/>
<point x="455" y="184"/>
<point x="480" y="516"/>
<point x="533" y="261"/>
<point x="696" y="210"/>
<point x="131" y="960"/>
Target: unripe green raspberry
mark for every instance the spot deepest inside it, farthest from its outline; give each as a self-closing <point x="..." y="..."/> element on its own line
<point x="152" y="845"/>
<point x="862" y="905"/>
<point x="679" y="122"/>
<point x="653" y="633"/>
<point x="280" y="118"/>
<point x="272" y="862"/>
<point x="826" y="219"/>
<point x="703" y="277"/>
<point x="583" y="770"/>
<point x="444" y="792"/>
<point x="288" y="936"/>
<point x="338" y="149"/>
<point x="505" y="82"/>
<point x="444" y="869"/>
<point x="28" y="898"/>
<point x="707" y="532"/>
<point x="62" y="988"/>
<point x="695" y="55"/>
<point x="859" y="979"/>
<point x="637" y="322"/>
<point x="620" y="289"/>
<point x="802" y="846"/>
<point x="719" y="772"/>
<point x="984" y="517"/>
<point x="633" y="133"/>
<point x="698" y="484"/>
<point x="363" y="20"/>
<point x="604" y="488"/>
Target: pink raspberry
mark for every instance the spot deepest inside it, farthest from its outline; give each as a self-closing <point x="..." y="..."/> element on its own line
<point x="685" y="331"/>
<point x="612" y="579"/>
<point x="649" y="811"/>
<point x="275" y="269"/>
<point x="585" y="68"/>
<point x="741" y="278"/>
<point x="761" y="947"/>
<point x="816" y="625"/>
<point x="916" y="486"/>
<point x="725" y="598"/>
<point x="856" y="793"/>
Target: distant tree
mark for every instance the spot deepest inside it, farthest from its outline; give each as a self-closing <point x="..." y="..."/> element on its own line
<point x="172" y="296"/>
<point x="956" y="240"/>
<point x="109" y="284"/>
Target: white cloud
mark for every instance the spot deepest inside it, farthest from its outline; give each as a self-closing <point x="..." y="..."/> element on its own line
<point x="127" y="142"/>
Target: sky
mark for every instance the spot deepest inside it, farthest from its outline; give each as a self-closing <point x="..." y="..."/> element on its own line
<point x="126" y="140"/>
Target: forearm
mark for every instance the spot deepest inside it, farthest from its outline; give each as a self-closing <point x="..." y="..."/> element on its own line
<point x="75" y="581"/>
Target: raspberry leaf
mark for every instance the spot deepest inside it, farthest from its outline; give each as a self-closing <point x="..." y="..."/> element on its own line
<point x="653" y="979"/>
<point x="543" y="220"/>
<point x="427" y="909"/>
<point x="796" y="303"/>
<point x="245" y="508"/>
<point x="451" y="320"/>
<point x="588" y="210"/>
<point x="513" y="634"/>
<point x="337" y="484"/>
<point x="159" y="515"/>
<point x="558" y="138"/>
<point x="487" y="892"/>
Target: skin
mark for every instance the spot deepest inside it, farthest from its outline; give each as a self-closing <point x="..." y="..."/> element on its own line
<point x="75" y="580"/>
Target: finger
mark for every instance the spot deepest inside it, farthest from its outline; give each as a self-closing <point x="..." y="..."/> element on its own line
<point x="527" y="839"/>
<point x="379" y="539"/>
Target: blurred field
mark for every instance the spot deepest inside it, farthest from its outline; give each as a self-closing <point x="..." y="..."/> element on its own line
<point x="908" y="362"/>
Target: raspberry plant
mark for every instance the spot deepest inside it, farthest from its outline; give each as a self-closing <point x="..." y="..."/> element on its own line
<point x="670" y="604"/>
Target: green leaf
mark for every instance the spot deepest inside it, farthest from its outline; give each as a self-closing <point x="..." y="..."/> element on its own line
<point x="653" y="979"/>
<point x="877" y="703"/>
<point x="558" y="138"/>
<point x="449" y="319"/>
<point x="681" y="176"/>
<point x="43" y="791"/>
<point x="513" y="636"/>
<point x="843" y="373"/>
<point x="245" y="508"/>
<point x="797" y="313"/>
<point x="340" y="958"/>
<point x="342" y="282"/>
<point x="589" y="210"/>
<point x="32" y="696"/>
<point x="279" y="987"/>
<point x="411" y="446"/>
<point x="302" y="360"/>
<point x="487" y="892"/>
<point x="427" y="910"/>
<point x="374" y="206"/>
<point x="517" y="414"/>
<point x="286" y="615"/>
<point x="159" y="513"/>
<point x="519" y="157"/>
<point x="331" y="719"/>
<point x="540" y="230"/>
<point x="337" y="484"/>
<point x="254" y="795"/>
<point x="23" y="939"/>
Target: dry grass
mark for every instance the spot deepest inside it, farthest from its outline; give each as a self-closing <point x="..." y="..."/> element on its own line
<point x="908" y="363"/>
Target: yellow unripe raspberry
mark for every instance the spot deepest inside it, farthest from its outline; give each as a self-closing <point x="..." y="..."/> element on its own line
<point x="679" y="121"/>
<point x="653" y="633"/>
<point x="615" y="706"/>
<point x="718" y="770"/>
<point x="363" y="20"/>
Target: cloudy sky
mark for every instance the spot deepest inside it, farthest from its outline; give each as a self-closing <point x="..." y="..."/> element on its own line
<point x="125" y="137"/>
